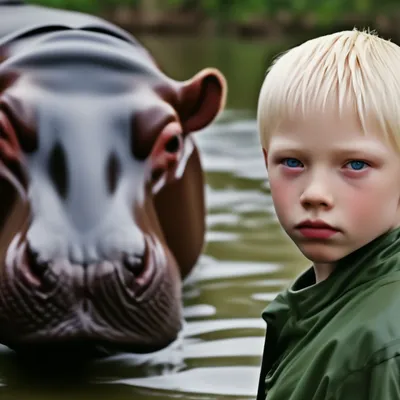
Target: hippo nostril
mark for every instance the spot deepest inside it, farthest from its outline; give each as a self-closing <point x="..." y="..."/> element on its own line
<point x="173" y="145"/>
<point x="37" y="266"/>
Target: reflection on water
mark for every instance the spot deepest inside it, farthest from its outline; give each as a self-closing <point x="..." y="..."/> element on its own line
<point x="246" y="262"/>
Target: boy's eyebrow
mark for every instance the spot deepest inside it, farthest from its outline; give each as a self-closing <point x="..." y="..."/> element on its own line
<point x="348" y="148"/>
<point x="284" y="144"/>
<point x="359" y="147"/>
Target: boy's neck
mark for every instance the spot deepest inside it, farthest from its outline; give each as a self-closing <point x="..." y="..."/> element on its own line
<point x="323" y="270"/>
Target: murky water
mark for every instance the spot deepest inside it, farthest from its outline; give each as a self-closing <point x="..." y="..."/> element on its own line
<point x="247" y="259"/>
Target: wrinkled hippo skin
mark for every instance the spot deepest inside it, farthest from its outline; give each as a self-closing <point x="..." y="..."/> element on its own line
<point x="102" y="211"/>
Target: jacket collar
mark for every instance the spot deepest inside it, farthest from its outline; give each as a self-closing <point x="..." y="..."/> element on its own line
<point x="378" y="259"/>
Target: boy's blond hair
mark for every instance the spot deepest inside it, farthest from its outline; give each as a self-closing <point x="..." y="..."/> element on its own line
<point x="351" y="70"/>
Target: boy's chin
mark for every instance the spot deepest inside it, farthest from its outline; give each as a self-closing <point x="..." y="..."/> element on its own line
<point x="322" y="254"/>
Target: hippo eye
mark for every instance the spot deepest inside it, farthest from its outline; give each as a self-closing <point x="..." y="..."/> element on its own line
<point x="58" y="170"/>
<point x="173" y="145"/>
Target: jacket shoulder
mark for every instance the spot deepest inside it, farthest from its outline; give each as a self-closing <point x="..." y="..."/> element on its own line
<point x="371" y="325"/>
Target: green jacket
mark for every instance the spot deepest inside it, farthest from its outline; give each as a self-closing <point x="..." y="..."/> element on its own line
<point x="340" y="338"/>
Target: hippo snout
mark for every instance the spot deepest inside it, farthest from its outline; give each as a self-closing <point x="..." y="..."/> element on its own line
<point x="136" y="271"/>
<point x="109" y="240"/>
<point x="107" y="301"/>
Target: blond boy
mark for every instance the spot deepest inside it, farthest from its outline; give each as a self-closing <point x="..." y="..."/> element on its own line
<point x="329" y="123"/>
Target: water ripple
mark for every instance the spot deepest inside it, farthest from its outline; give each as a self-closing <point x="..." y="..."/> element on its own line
<point x="207" y="270"/>
<point x="224" y="143"/>
<point x="200" y="327"/>
<point x="228" y="381"/>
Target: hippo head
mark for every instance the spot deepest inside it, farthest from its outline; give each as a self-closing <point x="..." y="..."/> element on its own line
<point x="90" y="131"/>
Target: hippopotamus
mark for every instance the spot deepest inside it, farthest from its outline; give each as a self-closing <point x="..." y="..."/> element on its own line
<point x="102" y="209"/>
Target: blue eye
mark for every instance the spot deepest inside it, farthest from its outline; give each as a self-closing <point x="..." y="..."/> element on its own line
<point x="292" y="163"/>
<point x="357" y="165"/>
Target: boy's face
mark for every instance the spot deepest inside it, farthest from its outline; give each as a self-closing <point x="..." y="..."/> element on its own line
<point x="325" y="170"/>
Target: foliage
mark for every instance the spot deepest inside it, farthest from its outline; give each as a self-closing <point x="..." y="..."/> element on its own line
<point x="91" y="6"/>
<point x="324" y="11"/>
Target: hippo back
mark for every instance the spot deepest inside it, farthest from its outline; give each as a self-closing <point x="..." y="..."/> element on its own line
<point x="31" y="18"/>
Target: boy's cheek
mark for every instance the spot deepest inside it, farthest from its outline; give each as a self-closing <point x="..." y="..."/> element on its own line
<point x="362" y="202"/>
<point x="281" y="196"/>
<point x="365" y="210"/>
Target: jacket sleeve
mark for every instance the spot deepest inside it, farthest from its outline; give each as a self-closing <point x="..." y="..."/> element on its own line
<point x="381" y="381"/>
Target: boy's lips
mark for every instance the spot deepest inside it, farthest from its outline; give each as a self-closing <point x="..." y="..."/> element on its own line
<point x="316" y="229"/>
<point x="317" y="224"/>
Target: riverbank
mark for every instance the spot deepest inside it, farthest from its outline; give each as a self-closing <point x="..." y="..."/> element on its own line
<point x="282" y="25"/>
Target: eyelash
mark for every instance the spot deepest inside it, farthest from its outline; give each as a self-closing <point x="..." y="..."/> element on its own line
<point x="284" y="161"/>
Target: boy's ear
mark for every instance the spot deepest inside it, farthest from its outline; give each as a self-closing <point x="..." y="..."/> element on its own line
<point x="265" y="154"/>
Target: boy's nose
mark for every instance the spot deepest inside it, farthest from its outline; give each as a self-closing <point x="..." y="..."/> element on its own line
<point x="317" y="194"/>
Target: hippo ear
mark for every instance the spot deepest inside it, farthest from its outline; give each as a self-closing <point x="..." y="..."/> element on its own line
<point x="201" y="99"/>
